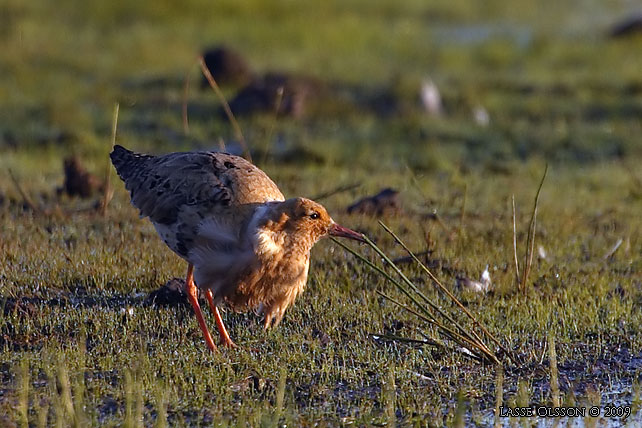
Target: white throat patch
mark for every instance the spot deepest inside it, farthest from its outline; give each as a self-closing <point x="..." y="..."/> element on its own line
<point x="265" y="241"/>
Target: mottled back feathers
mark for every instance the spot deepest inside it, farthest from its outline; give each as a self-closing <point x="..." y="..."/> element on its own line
<point x="162" y="186"/>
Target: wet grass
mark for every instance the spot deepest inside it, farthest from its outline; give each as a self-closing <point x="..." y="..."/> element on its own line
<point x="81" y="345"/>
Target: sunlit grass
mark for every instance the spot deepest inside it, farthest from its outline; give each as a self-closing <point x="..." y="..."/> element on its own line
<point x="98" y="266"/>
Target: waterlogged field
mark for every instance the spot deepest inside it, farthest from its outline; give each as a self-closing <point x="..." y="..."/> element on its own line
<point x="81" y="342"/>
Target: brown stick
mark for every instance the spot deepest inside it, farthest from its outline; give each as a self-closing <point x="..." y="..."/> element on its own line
<point x="226" y="107"/>
<point x="24" y="195"/>
<point x="462" y="218"/>
<point x="109" y="193"/>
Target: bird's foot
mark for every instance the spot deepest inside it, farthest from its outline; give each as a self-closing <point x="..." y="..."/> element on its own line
<point x="228" y="343"/>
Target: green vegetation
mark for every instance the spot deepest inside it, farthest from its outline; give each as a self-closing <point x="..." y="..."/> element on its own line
<point x="79" y="343"/>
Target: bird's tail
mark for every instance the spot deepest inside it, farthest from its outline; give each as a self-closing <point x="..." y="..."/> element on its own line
<point x="127" y="163"/>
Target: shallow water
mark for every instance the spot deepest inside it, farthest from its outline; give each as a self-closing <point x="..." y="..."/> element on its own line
<point x="621" y="396"/>
<point x="482" y="33"/>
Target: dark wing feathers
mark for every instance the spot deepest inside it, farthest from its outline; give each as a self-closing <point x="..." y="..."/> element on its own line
<point x="160" y="186"/>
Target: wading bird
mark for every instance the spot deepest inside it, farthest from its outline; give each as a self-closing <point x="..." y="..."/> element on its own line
<point x="244" y="243"/>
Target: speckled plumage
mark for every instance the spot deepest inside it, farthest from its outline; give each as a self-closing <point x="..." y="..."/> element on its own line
<point x="225" y="216"/>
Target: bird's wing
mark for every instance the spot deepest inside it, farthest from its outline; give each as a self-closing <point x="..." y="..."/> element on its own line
<point x="201" y="182"/>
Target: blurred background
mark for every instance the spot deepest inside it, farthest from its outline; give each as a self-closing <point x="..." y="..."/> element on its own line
<point x="432" y="85"/>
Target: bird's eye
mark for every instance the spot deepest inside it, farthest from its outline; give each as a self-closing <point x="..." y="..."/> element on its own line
<point x="314" y="216"/>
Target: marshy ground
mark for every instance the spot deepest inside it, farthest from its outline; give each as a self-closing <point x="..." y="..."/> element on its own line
<point x="80" y="341"/>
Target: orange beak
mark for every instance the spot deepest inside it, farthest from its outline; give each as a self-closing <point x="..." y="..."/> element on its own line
<point x="344" y="232"/>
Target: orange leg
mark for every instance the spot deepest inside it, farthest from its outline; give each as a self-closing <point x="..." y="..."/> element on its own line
<point x="192" y="296"/>
<point x="225" y="337"/>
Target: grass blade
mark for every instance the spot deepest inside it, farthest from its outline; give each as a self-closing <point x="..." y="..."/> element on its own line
<point x="446" y="291"/>
<point x="108" y="191"/>
<point x="515" y="242"/>
<point x="387" y="276"/>
<point x="465" y="338"/>
<point x="530" y="241"/>
<point x="415" y="289"/>
<point x="450" y="333"/>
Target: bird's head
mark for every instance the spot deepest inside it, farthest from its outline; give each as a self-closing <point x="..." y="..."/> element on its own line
<point x="309" y="219"/>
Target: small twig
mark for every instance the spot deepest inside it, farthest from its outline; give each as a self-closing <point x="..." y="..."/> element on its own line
<point x="530" y="242"/>
<point x="448" y="293"/>
<point x="430" y="274"/>
<point x="515" y="242"/>
<point x="335" y="191"/>
<point x="24" y="195"/>
<point x="471" y="334"/>
<point x="108" y="192"/>
<point x="463" y="337"/>
<point x="430" y="318"/>
<point x="414" y="288"/>
<point x="613" y="249"/>
<point x="407" y="308"/>
<point x="67" y="256"/>
<point x="279" y="99"/>
<point x="226" y="107"/>
<point x="462" y="218"/>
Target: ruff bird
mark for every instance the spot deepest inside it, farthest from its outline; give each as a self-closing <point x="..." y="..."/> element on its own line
<point x="245" y="245"/>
